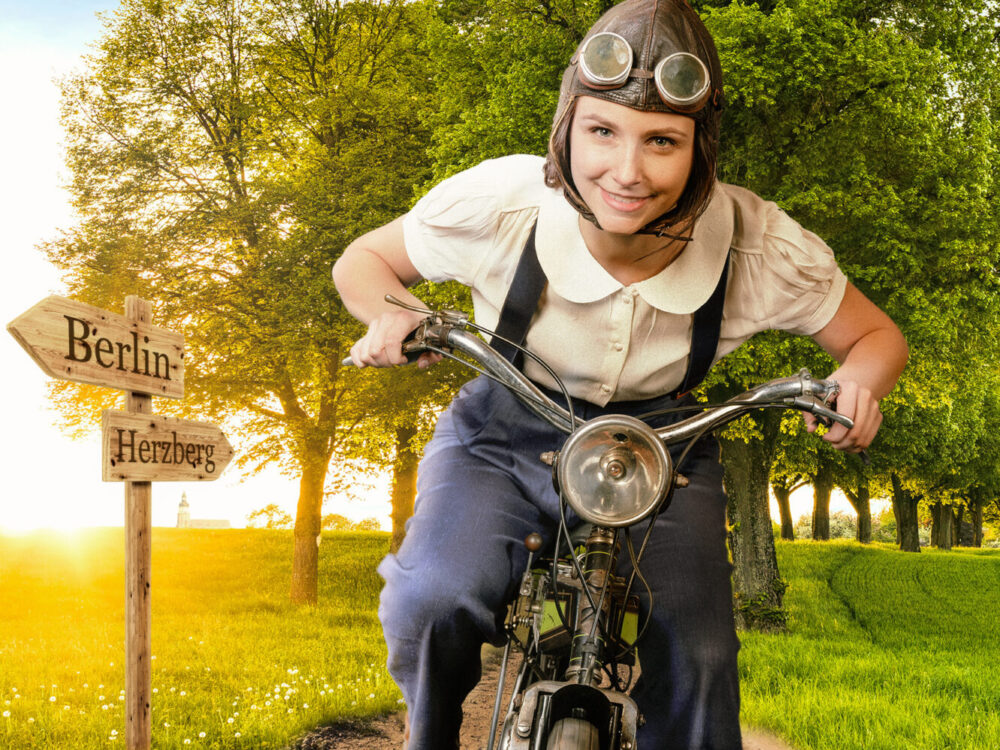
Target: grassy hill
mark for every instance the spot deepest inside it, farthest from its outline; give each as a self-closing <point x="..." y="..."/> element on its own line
<point x="885" y="649"/>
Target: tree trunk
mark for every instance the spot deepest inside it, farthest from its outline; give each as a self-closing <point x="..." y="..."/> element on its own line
<point x="976" y="506"/>
<point x="956" y="534"/>
<point x="936" y="524"/>
<point x="783" y="495"/>
<point x="904" y="506"/>
<point x="822" y="489"/>
<point x="862" y="504"/>
<point x="758" y="588"/>
<point x="945" y="527"/>
<point x="308" y="521"/>
<point x="404" y="484"/>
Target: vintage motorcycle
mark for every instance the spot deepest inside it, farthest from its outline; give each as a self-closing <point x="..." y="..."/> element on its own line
<point x="574" y="622"/>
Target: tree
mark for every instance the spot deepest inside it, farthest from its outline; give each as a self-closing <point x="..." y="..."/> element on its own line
<point x="223" y="154"/>
<point x="337" y="522"/>
<point x="783" y="485"/>
<point x="271" y="516"/>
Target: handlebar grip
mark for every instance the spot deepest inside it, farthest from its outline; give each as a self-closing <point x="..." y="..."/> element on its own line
<point x="412" y="355"/>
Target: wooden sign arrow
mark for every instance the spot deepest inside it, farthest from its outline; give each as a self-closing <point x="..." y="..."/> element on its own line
<point x="151" y="448"/>
<point x="79" y="342"/>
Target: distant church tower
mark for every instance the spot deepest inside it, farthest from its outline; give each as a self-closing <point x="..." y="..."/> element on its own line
<point x="183" y="512"/>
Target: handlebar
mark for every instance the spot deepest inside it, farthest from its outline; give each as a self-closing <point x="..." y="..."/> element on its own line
<point x="446" y="331"/>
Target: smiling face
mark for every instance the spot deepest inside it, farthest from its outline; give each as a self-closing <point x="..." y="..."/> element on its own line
<point x="630" y="167"/>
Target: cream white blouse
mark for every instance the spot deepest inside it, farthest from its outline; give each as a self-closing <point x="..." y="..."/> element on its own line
<point x="611" y="342"/>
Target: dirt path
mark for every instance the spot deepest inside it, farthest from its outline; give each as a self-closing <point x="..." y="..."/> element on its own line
<point x="386" y="733"/>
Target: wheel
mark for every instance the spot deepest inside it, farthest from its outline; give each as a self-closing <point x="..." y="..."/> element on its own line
<point x="573" y="734"/>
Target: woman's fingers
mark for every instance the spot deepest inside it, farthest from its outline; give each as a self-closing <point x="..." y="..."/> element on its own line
<point x="856" y="403"/>
<point x="382" y="344"/>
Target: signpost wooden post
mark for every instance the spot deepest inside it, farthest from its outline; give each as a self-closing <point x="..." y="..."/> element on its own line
<point x="74" y="341"/>
<point x="138" y="569"/>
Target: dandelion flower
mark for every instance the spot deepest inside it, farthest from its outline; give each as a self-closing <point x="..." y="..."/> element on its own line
<point x="114" y="732"/>
<point x="236" y="735"/>
<point x="31" y="719"/>
<point x="52" y="699"/>
<point x="155" y="691"/>
<point x="230" y="720"/>
<point x="305" y="705"/>
<point x="183" y="693"/>
<point x="6" y="714"/>
<point x="187" y="741"/>
<point x="201" y="735"/>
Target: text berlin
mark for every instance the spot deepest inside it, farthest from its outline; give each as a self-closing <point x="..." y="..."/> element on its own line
<point x="104" y="351"/>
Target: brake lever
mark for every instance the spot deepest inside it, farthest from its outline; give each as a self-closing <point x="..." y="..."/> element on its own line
<point x="827" y="417"/>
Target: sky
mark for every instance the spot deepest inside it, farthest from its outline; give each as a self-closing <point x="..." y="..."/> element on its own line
<point x="46" y="479"/>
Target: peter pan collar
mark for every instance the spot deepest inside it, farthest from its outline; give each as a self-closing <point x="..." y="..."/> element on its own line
<point x="680" y="288"/>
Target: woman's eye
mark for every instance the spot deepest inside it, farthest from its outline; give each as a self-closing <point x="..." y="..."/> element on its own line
<point x="602" y="132"/>
<point x="663" y="141"/>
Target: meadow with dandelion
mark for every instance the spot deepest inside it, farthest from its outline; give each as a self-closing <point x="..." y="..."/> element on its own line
<point x="235" y="665"/>
<point x="884" y="649"/>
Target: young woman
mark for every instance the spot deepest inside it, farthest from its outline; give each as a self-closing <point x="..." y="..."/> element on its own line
<point x="635" y="240"/>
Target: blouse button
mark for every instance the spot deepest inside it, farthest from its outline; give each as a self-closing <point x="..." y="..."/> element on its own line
<point x="605" y="388"/>
<point x="618" y="346"/>
<point x="626" y="299"/>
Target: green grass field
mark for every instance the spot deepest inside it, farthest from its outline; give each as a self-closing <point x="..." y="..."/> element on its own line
<point x="234" y="665"/>
<point x="885" y="650"/>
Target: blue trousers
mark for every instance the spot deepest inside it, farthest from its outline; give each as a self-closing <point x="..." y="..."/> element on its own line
<point x="481" y="489"/>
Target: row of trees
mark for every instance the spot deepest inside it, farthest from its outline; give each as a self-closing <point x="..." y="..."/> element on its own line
<point x="272" y="516"/>
<point x="224" y="152"/>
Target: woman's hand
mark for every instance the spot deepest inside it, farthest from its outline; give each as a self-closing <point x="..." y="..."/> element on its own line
<point x="872" y="353"/>
<point x="857" y="403"/>
<point x="382" y="346"/>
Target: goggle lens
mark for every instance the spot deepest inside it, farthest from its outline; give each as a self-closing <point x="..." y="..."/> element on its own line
<point x="681" y="79"/>
<point x="606" y="59"/>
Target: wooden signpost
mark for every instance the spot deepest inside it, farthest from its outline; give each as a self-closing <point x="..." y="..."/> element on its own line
<point x="82" y="343"/>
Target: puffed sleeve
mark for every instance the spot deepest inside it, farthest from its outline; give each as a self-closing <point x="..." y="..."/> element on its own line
<point x="450" y="232"/>
<point x="800" y="285"/>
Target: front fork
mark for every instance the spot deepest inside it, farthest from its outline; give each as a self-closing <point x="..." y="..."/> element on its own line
<point x="588" y="647"/>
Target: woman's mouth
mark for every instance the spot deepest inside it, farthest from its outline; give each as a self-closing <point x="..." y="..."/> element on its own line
<point x="626" y="203"/>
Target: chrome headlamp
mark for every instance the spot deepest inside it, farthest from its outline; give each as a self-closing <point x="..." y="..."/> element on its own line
<point x="614" y="470"/>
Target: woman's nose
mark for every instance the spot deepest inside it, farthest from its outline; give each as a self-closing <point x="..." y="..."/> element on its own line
<point x="627" y="167"/>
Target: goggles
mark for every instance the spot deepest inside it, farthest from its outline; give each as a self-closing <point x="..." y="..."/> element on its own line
<point x="682" y="79"/>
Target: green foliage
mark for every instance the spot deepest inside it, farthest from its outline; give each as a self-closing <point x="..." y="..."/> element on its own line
<point x="337" y="522"/>
<point x="231" y="657"/>
<point x="842" y="526"/>
<point x="874" y="125"/>
<point x="271" y="516"/>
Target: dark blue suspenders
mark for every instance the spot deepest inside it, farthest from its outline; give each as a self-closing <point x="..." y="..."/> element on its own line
<point x="526" y="291"/>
